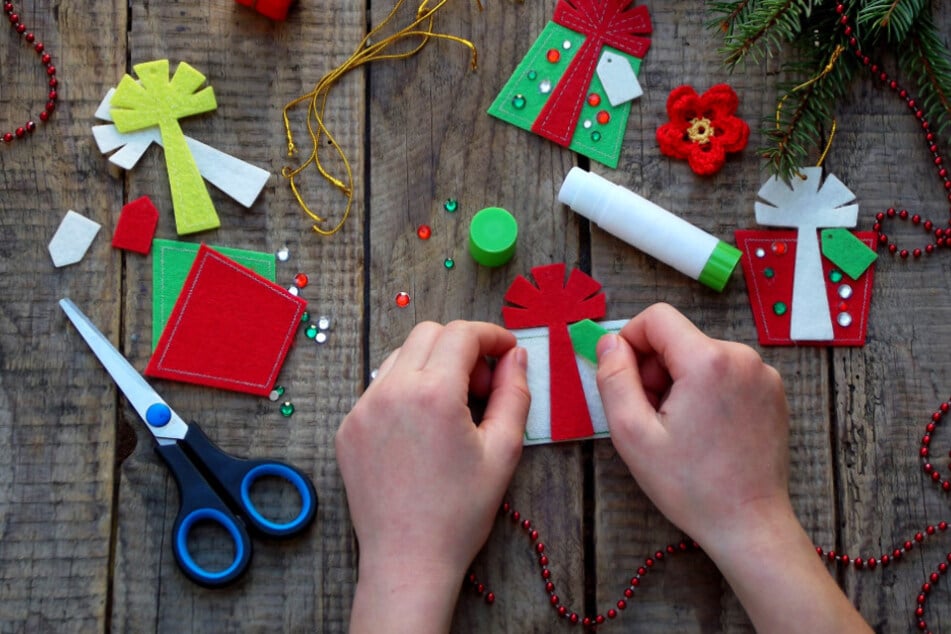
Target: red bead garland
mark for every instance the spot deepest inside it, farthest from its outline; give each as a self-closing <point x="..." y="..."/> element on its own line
<point x="589" y="623"/>
<point x="47" y="60"/>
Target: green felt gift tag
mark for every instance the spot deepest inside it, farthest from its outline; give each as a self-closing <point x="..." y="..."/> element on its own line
<point x="584" y="338"/>
<point x="171" y="262"/>
<point x="847" y="252"/>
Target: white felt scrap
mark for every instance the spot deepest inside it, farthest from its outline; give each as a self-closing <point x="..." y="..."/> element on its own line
<point x="72" y="239"/>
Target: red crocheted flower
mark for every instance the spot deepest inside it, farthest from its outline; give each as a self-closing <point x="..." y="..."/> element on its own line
<point x="702" y="128"/>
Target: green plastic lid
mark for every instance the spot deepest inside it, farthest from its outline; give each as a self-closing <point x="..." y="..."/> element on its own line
<point x="492" y="236"/>
<point x="716" y="272"/>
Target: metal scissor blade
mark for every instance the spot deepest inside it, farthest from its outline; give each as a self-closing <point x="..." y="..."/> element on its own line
<point x="138" y="392"/>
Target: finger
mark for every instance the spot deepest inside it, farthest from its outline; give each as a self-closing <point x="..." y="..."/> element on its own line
<point x="507" y="411"/>
<point x="387" y="364"/>
<point x="462" y="343"/>
<point x="654" y="377"/>
<point x="415" y="351"/>
<point x="632" y="418"/>
<point x="480" y="379"/>
<point x="663" y="331"/>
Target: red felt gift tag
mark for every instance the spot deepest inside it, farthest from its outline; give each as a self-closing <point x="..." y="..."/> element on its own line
<point x="230" y="328"/>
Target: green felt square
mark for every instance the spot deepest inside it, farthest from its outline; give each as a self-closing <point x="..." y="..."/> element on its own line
<point x="585" y="335"/>
<point x="171" y="262"/>
<point x="521" y="100"/>
<point x="842" y="248"/>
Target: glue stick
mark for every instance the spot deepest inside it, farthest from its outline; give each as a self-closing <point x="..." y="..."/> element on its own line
<point x="650" y="228"/>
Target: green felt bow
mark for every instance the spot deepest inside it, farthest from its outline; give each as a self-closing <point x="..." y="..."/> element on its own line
<point x="153" y="100"/>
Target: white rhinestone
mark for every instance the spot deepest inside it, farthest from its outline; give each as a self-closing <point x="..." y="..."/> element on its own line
<point x="844" y="319"/>
<point x="323" y="323"/>
<point x="566" y="45"/>
<point x="761" y="253"/>
<point x="321" y="337"/>
<point x="587" y="123"/>
<point x="845" y="291"/>
<point x="544" y="87"/>
<point x="283" y="253"/>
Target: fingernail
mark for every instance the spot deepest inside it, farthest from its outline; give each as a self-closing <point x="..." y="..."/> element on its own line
<point x="606" y="344"/>
<point x="521" y="357"/>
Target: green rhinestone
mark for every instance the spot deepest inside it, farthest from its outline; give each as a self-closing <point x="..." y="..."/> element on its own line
<point x="780" y="308"/>
<point x="835" y="276"/>
<point x="449" y="263"/>
<point x="311" y="331"/>
<point x="769" y="273"/>
<point x="595" y="136"/>
<point x="518" y="102"/>
<point x="532" y="75"/>
<point x="305" y="317"/>
<point x="287" y="408"/>
<point x="451" y="205"/>
<point x="276" y="393"/>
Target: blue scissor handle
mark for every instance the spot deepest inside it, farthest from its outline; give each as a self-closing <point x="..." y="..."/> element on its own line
<point x="200" y="503"/>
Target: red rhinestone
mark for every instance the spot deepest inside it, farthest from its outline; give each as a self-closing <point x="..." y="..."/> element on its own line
<point x="300" y="280"/>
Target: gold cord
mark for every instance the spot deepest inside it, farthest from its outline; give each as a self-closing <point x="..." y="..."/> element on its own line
<point x="367" y="51"/>
<point x="825" y="71"/>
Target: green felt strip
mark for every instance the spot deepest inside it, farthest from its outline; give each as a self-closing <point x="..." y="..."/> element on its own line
<point x="171" y="262"/>
<point x="842" y="248"/>
<point x="584" y="338"/>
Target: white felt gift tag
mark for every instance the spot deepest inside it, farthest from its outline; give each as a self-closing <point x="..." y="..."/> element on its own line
<point x="538" y="428"/>
<point x="72" y="239"/>
<point x="618" y="78"/>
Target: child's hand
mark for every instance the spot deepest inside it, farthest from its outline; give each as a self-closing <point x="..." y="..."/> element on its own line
<point x="423" y="482"/>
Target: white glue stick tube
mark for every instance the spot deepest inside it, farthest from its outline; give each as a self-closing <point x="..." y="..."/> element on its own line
<point x="650" y="228"/>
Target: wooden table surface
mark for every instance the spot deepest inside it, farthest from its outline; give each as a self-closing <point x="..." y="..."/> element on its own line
<point x="86" y="505"/>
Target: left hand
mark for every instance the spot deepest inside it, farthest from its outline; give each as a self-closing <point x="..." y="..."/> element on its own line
<point x="424" y="482"/>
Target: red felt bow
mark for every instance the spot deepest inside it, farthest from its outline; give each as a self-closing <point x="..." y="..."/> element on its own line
<point x="555" y="303"/>
<point x="612" y="23"/>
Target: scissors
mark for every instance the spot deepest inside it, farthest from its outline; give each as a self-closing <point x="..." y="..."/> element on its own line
<point x="213" y="486"/>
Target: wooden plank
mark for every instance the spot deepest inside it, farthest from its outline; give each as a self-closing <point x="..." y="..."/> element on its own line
<point x="687" y="594"/>
<point x="56" y="427"/>
<point x="885" y="392"/>
<point x="255" y="67"/>
<point x="431" y="140"/>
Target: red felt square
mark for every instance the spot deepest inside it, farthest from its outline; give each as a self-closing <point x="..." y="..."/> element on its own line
<point x="274" y="9"/>
<point x="136" y="226"/>
<point x="768" y="261"/>
<point x="230" y="328"/>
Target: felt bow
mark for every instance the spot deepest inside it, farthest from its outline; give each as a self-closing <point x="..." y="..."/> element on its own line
<point x="612" y="23"/>
<point x="153" y="100"/>
<point x="555" y="303"/>
<point x="238" y="179"/>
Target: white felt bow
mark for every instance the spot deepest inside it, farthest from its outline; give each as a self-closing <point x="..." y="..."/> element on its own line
<point x="240" y="180"/>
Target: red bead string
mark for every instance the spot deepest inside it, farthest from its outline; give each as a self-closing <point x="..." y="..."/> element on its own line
<point x="942" y="236"/>
<point x="47" y="60"/>
<point x="589" y="623"/>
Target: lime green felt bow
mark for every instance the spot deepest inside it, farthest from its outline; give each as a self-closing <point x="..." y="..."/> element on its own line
<point x="153" y="100"/>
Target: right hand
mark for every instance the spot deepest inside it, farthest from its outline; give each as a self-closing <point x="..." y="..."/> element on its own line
<point x="702" y="424"/>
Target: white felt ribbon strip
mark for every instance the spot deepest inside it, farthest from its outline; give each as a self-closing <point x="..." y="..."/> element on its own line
<point x="238" y="179"/>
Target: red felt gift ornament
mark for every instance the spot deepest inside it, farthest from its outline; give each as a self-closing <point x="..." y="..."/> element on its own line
<point x="230" y="328"/>
<point x="274" y="9"/>
<point x="556" y="303"/>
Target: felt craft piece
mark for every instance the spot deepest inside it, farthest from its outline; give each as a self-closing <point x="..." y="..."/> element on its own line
<point x="558" y="89"/>
<point x="136" y="226"/>
<point x="538" y="428"/>
<point x="702" y="129"/>
<point x="274" y="9"/>
<point x="246" y="356"/>
<point x="847" y="252"/>
<point x="171" y="263"/>
<point x="241" y="181"/>
<point x="555" y="303"/>
<point x="584" y="338"/>
<point x="807" y="203"/>
<point x="769" y="262"/>
<point x="72" y="239"/>
<point x="154" y="100"/>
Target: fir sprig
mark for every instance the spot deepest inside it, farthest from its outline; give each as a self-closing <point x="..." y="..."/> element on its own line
<point x="807" y="33"/>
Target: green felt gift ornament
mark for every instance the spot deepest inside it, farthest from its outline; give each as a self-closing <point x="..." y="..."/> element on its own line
<point x="577" y="81"/>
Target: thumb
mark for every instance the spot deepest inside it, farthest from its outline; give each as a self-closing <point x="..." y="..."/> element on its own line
<point x="503" y="425"/>
<point x="631" y="417"/>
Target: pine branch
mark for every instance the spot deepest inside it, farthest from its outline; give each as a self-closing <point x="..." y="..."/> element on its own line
<point x="893" y="17"/>
<point x="926" y="60"/>
<point x="759" y="30"/>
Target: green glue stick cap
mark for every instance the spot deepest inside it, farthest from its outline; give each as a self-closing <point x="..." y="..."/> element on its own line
<point x="493" y="233"/>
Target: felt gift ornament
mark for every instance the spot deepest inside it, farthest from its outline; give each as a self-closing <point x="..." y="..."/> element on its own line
<point x="155" y="100"/>
<point x="576" y="83"/>
<point x="230" y="328"/>
<point x="274" y="9"/>
<point x="556" y="303"/>
<point x="806" y="286"/>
